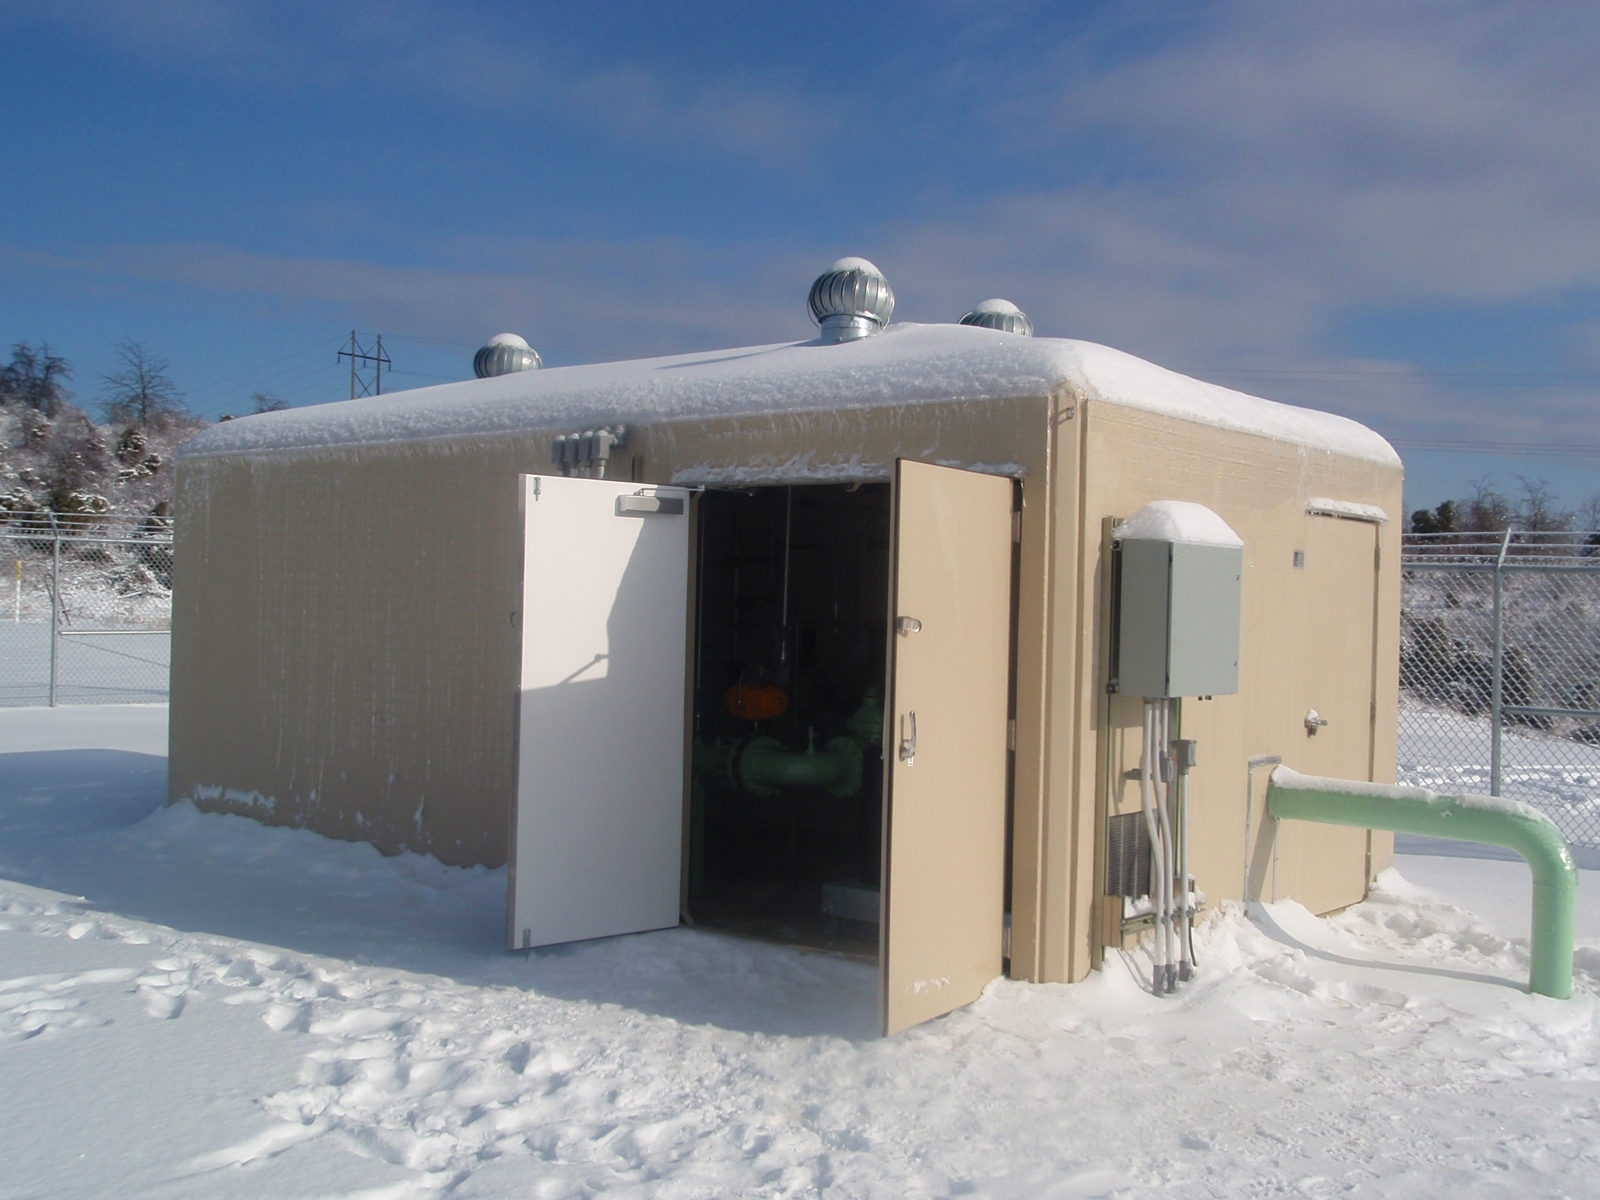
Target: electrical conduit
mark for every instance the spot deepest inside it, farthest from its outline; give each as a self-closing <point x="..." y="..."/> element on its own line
<point x="1160" y="875"/>
<point x="1491" y="820"/>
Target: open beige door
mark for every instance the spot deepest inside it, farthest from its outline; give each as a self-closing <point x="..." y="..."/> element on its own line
<point x="945" y="810"/>
<point x="596" y="845"/>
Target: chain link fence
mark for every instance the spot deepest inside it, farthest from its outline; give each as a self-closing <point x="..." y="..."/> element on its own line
<point x="1499" y="647"/>
<point x="86" y="609"/>
<point x="1500" y="670"/>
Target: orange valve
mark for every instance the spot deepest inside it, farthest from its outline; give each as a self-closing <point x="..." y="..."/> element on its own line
<point x="756" y="701"/>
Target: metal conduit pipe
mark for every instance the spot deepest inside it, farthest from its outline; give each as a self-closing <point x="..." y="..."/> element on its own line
<point x="1491" y="820"/>
<point x="1160" y="876"/>
<point x="1168" y="844"/>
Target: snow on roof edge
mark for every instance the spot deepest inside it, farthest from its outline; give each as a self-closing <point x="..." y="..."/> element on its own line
<point x="1349" y="510"/>
<point x="906" y="365"/>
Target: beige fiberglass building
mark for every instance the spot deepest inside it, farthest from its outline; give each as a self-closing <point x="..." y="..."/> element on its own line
<point x="815" y="642"/>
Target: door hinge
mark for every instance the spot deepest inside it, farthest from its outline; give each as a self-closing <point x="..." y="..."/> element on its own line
<point x="1011" y="734"/>
<point x="1374" y="717"/>
<point x="1016" y="527"/>
<point x="1005" y="938"/>
<point x="1377" y="558"/>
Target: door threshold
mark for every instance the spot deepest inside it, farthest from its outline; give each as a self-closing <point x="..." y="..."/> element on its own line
<point x="843" y="946"/>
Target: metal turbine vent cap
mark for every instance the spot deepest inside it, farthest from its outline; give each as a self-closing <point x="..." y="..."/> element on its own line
<point x="851" y="300"/>
<point x="1000" y="314"/>
<point x="505" y="354"/>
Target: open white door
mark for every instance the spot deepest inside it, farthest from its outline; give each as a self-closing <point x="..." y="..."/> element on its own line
<point x="596" y="844"/>
<point x="946" y="755"/>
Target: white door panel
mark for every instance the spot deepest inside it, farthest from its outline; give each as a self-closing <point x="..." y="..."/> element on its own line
<point x="599" y="806"/>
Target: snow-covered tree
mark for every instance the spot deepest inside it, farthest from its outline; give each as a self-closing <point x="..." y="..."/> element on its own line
<point x="34" y="379"/>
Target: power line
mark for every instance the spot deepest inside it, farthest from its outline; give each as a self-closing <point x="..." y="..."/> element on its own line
<point x="205" y="388"/>
<point x="1414" y="378"/>
<point x="1533" y="449"/>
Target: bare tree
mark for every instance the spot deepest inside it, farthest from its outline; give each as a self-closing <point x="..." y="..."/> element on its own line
<point x="34" y="378"/>
<point x="1487" y="511"/>
<point x="1540" y="511"/>
<point x="1588" y="514"/>
<point x="78" y="458"/>
<point x="266" y="402"/>
<point x="141" y="391"/>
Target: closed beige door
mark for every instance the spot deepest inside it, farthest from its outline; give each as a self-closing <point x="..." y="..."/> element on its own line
<point x="945" y="754"/>
<point x="1338" y="602"/>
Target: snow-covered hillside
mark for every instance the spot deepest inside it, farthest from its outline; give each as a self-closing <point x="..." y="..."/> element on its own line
<point x="195" y="1005"/>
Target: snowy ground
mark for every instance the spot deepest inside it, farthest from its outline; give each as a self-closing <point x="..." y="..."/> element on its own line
<point x="194" y="1005"/>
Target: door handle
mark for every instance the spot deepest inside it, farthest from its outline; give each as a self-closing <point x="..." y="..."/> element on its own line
<point x="906" y="626"/>
<point x="908" y="745"/>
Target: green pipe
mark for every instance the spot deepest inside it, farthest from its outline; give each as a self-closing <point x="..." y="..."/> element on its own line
<point x="1492" y="820"/>
<point x="766" y="766"/>
<point x="760" y="765"/>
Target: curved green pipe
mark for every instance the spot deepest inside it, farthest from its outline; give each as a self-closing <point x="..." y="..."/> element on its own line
<point x="1492" y="820"/>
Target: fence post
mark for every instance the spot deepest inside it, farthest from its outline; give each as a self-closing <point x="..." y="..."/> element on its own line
<point x="1496" y="670"/>
<point x="55" y="602"/>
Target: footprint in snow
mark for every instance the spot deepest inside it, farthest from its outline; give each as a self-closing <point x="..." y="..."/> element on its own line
<point x="288" y="1018"/>
<point x="164" y="1005"/>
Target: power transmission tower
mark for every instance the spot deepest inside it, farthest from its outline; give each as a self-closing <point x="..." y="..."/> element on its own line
<point x="361" y="359"/>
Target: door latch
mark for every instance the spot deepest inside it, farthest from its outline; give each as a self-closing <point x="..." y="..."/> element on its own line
<point x="1314" y="722"/>
<point x="908" y="745"/>
<point x="906" y="626"/>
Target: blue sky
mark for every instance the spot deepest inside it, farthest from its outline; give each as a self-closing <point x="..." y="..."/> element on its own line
<point x="1389" y="211"/>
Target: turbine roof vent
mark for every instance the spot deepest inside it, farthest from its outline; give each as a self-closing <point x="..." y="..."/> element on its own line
<point x="505" y="354"/>
<point x="1002" y="315"/>
<point x="851" y="300"/>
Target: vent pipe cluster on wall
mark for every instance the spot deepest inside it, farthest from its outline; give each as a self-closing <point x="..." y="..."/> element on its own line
<point x="505" y="354"/>
<point x="587" y="453"/>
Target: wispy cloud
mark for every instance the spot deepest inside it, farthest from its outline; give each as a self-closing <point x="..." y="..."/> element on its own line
<point x="586" y="300"/>
<point x="1234" y="194"/>
<point x="1223" y="187"/>
<point x="502" y="68"/>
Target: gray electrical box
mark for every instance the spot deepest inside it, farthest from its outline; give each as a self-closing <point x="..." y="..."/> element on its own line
<point x="1177" y="612"/>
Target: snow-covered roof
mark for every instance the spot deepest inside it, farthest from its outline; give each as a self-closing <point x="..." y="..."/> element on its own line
<point x="907" y="364"/>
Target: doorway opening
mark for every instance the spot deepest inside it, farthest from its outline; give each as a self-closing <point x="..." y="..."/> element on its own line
<point x="786" y="794"/>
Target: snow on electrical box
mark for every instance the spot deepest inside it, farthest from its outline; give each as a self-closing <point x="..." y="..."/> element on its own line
<point x="1177" y="611"/>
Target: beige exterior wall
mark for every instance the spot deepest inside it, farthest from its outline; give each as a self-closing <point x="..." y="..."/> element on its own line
<point x="344" y="654"/>
<point x="1294" y="656"/>
<point x="344" y="657"/>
